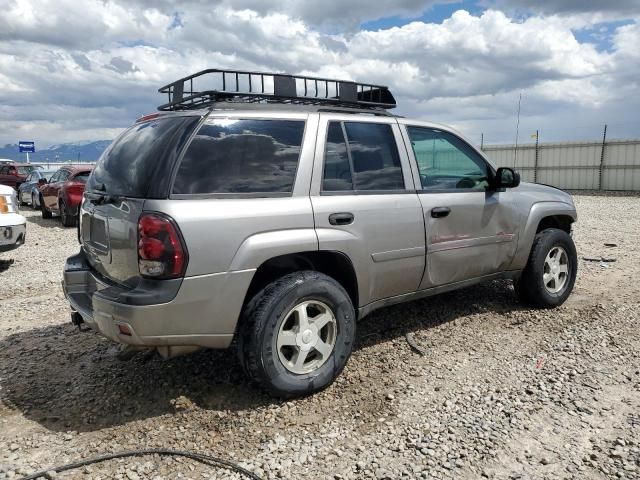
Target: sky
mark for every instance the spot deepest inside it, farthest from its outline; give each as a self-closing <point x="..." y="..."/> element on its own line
<point x="74" y="71"/>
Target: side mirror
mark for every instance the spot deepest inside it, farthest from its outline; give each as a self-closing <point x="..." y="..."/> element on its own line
<point x="506" y="178"/>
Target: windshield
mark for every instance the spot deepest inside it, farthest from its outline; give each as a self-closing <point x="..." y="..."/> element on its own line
<point x="127" y="166"/>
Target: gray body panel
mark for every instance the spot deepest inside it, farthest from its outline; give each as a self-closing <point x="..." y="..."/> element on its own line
<point x="398" y="250"/>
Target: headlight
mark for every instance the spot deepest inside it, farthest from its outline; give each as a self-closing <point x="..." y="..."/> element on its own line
<point x="8" y="204"/>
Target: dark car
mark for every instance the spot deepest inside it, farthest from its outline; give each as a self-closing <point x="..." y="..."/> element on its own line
<point x="28" y="192"/>
<point x="63" y="193"/>
<point x="14" y="174"/>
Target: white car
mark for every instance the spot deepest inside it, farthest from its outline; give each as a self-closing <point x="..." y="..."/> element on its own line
<point x="13" y="227"/>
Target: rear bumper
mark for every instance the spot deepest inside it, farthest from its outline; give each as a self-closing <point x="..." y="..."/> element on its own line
<point x="197" y="311"/>
<point x="13" y="231"/>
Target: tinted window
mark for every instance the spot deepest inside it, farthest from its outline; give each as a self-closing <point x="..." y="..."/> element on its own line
<point x="81" y="177"/>
<point x="337" y="169"/>
<point x="371" y="153"/>
<point x="128" y="165"/>
<point x="241" y="156"/>
<point x="376" y="163"/>
<point x="446" y="162"/>
<point x="4" y="170"/>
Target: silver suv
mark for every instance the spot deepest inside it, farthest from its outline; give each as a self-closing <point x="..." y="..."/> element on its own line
<point x="257" y="216"/>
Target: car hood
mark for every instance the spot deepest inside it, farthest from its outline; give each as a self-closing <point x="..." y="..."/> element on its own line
<point x="6" y="190"/>
<point x="545" y="192"/>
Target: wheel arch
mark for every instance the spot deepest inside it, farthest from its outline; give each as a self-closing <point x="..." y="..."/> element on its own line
<point x="334" y="264"/>
<point x="542" y="215"/>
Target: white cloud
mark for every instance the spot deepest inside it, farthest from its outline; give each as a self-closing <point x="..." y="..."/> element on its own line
<point x="80" y="72"/>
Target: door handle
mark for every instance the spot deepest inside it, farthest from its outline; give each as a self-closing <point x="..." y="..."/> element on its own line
<point x="343" y="218"/>
<point x="440" y="212"/>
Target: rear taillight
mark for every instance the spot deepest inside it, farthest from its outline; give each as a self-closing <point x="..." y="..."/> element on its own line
<point x="161" y="251"/>
<point x="74" y="188"/>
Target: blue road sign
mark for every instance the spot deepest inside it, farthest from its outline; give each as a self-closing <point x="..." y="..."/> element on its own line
<point x="28" y="147"/>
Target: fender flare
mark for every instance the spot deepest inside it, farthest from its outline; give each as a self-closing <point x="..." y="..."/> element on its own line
<point x="537" y="212"/>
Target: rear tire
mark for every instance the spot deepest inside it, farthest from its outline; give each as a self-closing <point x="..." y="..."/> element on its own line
<point x="297" y="334"/>
<point x="46" y="214"/>
<point x="67" y="219"/>
<point x="550" y="274"/>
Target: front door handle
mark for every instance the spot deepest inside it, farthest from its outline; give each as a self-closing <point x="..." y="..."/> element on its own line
<point x="440" y="212"/>
<point x="343" y="218"/>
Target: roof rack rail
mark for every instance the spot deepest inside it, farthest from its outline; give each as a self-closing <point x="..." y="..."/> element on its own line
<point x="205" y="88"/>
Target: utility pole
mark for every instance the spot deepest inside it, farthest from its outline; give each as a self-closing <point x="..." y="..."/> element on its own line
<point x="481" y="141"/>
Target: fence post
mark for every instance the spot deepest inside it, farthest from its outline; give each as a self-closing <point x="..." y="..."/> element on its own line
<point x="604" y="142"/>
<point x="535" y="163"/>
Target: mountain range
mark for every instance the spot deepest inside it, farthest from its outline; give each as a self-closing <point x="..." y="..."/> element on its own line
<point x="75" y="152"/>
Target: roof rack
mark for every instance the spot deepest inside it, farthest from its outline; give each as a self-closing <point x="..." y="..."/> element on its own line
<point x="205" y="88"/>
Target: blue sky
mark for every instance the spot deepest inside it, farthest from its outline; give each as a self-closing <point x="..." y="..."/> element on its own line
<point x="80" y="74"/>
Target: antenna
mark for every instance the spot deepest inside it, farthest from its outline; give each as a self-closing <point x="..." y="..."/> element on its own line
<point x="515" y="156"/>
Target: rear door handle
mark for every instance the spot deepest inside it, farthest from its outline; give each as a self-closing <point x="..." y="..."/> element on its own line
<point x="440" y="212"/>
<point x="343" y="218"/>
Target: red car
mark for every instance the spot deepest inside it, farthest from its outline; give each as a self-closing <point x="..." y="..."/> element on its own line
<point x="13" y="174"/>
<point x="63" y="193"/>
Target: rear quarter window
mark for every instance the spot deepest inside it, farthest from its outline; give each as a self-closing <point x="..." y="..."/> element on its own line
<point x="141" y="157"/>
<point x="241" y="156"/>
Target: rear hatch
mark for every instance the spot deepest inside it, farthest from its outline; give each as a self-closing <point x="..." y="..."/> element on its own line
<point x="138" y="165"/>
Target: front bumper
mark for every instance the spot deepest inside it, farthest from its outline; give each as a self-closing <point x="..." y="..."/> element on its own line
<point x="196" y="311"/>
<point x="13" y="231"/>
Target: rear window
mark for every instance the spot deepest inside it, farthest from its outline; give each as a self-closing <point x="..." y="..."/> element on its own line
<point x="129" y="165"/>
<point x="25" y="170"/>
<point x="241" y="156"/>
<point x="82" y="177"/>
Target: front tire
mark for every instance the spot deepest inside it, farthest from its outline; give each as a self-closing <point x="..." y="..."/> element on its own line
<point x="550" y="274"/>
<point x="297" y="334"/>
<point x="34" y="205"/>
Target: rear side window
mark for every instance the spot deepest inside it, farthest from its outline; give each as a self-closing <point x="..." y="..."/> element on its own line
<point x="337" y="168"/>
<point x="362" y="157"/>
<point x="137" y="157"/>
<point x="241" y="156"/>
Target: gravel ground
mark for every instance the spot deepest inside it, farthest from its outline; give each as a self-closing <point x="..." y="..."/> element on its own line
<point x="501" y="392"/>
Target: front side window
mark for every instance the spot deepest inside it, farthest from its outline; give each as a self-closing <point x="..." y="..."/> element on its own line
<point x="362" y="157"/>
<point x="241" y="156"/>
<point x="446" y="162"/>
<point x="55" y="177"/>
